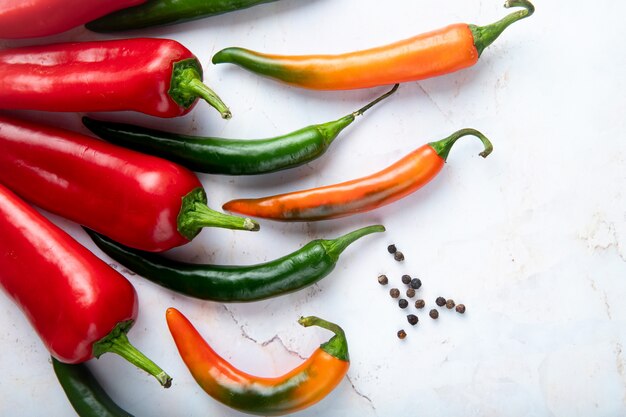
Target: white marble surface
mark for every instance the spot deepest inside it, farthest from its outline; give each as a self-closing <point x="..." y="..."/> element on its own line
<point x="532" y="239"/>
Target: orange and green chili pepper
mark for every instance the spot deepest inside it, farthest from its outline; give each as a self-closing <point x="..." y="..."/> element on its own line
<point x="427" y="55"/>
<point x="396" y="181"/>
<point x="296" y="390"/>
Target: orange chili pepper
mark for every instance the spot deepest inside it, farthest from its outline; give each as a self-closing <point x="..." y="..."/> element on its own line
<point x="398" y="180"/>
<point x="427" y="55"/>
<point x="296" y="390"/>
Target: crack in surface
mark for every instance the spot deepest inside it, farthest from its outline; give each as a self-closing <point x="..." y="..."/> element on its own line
<point x="605" y="298"/>
<point x="275" y="338"/>
<point x="619" y="364"/>
<point x="360" y="394"/>
<point x="595" y="240"/>
<point x="433" y="101"/>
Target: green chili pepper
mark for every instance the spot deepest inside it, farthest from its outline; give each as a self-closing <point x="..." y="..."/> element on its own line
<point x="230" y="156"/>
<point x="226" y="283"/>
<point x="166" y="12"/>
<point x="84" y="392"/>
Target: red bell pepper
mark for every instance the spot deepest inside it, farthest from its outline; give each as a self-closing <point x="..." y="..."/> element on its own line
<point x="141" y="201"/>
<point x="79" y="306"/>
<point x="33" y="18"/>
<point x="159" y="77"/>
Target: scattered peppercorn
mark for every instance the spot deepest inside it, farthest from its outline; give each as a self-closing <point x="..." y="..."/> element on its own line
<point x="406" y="279"/>
<point x="416" y="283"/>
<point x="398" y="256"/>
<point x="402" y="303"/>
<point x="433" y="314"/>
<point x="394" y="293"/>
<point x="440" y="301"/>
<point x="460" y="308"/>
<point x="410" y="292"/>
<point x="383" y="280"/>
<point x="401" y="334"/>
<point x="420" y="303"/>
<point x="450" y="304"/>
<point x="392" y="249"/>
<point x="412" y="318"/>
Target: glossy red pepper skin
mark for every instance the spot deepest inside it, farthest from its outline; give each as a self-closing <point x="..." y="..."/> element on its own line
<point x="72" y="298"/>
<point x="134" y="199"/>
<point x="142" y="75"/>
<point x="34" y="18"/>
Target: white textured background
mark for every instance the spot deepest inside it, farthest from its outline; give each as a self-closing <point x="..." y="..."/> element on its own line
<point x="530" y="239"/>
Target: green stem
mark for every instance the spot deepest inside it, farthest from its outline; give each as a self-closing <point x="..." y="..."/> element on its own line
<point x="375" y="102"/>
<point x="443" y="146"/>
<point x="195" y="215"/>
<point x="486" y="35"/>
<point x="335" y="247"/>
<point x="186" y="86"/>
<point x="117" y="342"/>
<point x="337" y="346"/>
<point x="203" y="91"/>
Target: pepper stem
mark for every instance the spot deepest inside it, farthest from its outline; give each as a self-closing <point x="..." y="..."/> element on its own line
<point x="337" y="346"/>
<point x="203" y="91"/>
<point x="186" y="86"/>
<point x="443" y="146"/>
<point x="335" y="247"/>
<point x="486" y="35"/>
<point x="375" y="102"/>
<point x="195" y="215"/>
<point x="117" y="342"/>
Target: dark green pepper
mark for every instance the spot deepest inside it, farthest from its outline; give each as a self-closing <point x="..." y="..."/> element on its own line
<point x="84" y="392"/>
<point x="226" y="283"/>
<point x="230" y="156"/>
<point x="166" y="12"/>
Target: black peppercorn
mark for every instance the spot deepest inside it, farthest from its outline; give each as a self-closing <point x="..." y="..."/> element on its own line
<point x="394" y="293"/>
<point x="383" y="280"/>
<point x="420" y="303"/>
<point x="392" y="249"/>
<point x="416" y="283"/>
<point x="401" y="334"/>
<point x="450" y="304"/>
<point x="440" y="301"/>
<point x="412" y="318"/>
<point x="398" y="256"/>
<point x="406" y="279"/>
<point x="410" y="292"/>
<point x="433" y="314"/>
<point x="402" y="303"/>
<point x="460" y="308"/>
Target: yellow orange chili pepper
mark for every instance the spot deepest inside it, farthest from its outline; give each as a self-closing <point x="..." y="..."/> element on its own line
<point x="298" y="389"/>
<point x="427" y="55"/>
<point x="398" y="180"/>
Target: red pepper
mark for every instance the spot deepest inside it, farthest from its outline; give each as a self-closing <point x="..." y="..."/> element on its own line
<point x="138" y="200"/>
<point x="33" y="18"/>
<point x="79" y="306"/>
<point x="159" y="77"/>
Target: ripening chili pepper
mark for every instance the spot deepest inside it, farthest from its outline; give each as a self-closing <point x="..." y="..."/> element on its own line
<point x="427" y="55"/>
<point x="86" y="395"/>
<point x="167" y="12"/>
<point x="296" y="390"/>
<point x="230" y="156"/>
<point x="364" y="194"/>
<point x="80" y="307"/>
<point x="159" y="77"/>
<point x="229" y="283"/>
<point x="138" y="200"/>
<point x="30" y="19"/>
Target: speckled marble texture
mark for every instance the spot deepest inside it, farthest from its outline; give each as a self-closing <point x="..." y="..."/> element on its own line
<point x="532" y="240"/>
